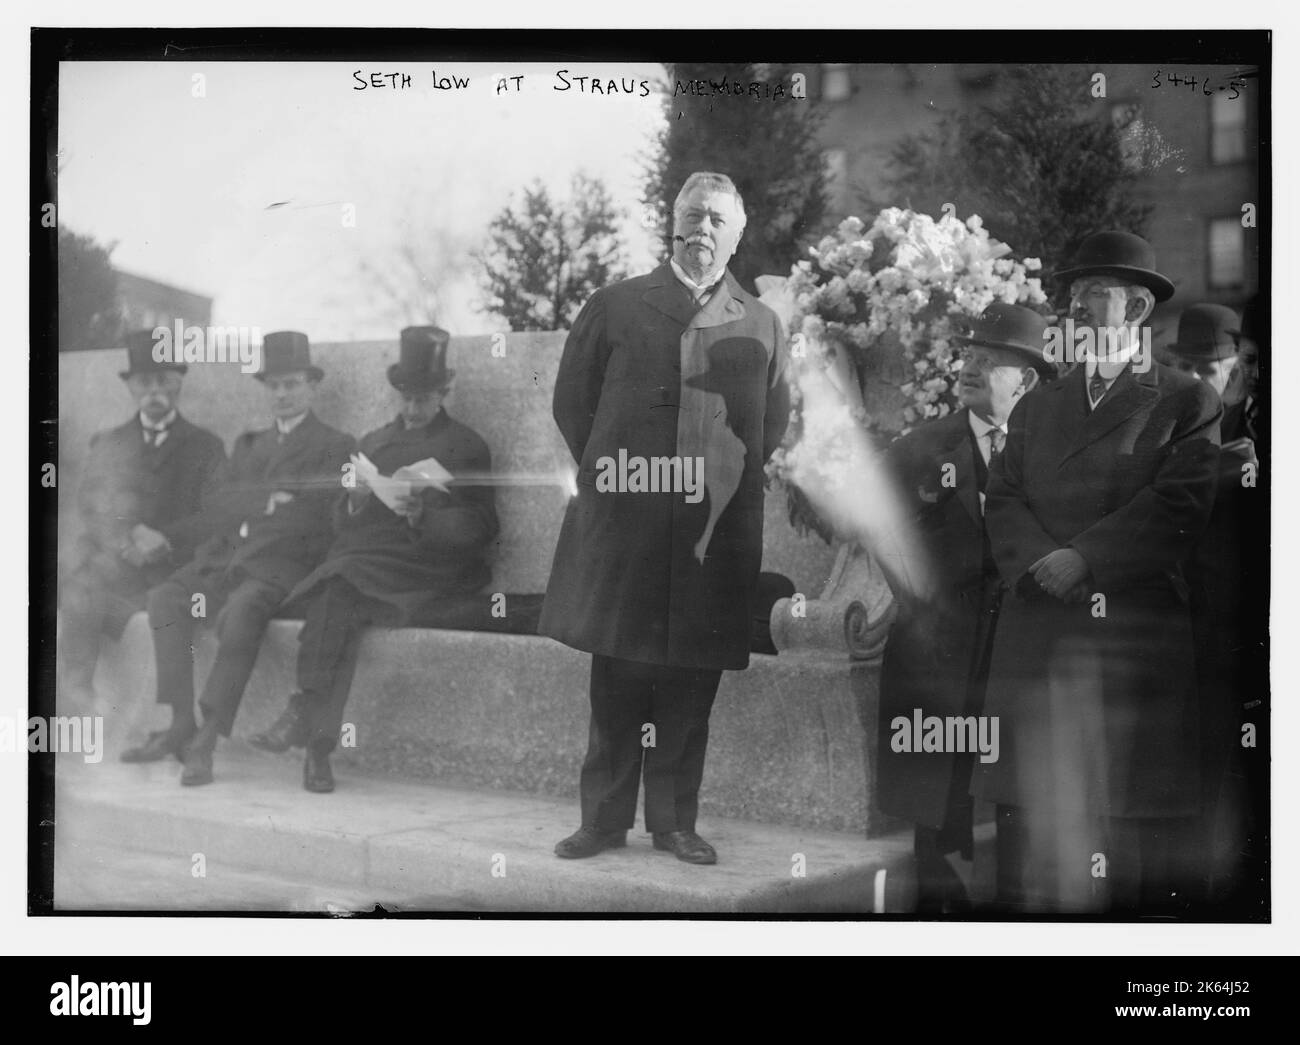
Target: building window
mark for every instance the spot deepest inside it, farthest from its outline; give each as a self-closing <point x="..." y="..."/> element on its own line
<point x="1227" y="129"/>
<point x="1227" y="253"/>
<point x="836" y="84"/>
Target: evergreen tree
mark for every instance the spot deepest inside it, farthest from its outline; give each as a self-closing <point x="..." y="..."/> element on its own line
<point x="545" y="259"/>
<point x="90" y="315"/>
<point x="1042" y="166"/>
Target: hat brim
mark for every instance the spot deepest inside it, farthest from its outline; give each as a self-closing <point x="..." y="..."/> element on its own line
<point x="418" y="382"/>
<point x="1160" y="286"/>
<point x="315" y="373"/>
<point x="162" y="368"/>
<point x="1201" y="352"/>
<point x="1031" y="357"/>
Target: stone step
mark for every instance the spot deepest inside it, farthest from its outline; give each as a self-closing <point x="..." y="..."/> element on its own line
<point x="266" y="844"/>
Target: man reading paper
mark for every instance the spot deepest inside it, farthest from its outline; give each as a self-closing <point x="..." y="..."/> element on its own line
<point x="407" y="545"/>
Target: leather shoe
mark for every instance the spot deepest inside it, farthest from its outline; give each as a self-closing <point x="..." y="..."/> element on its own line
<point x="316" y="773"/>
<point x="686" y="845"/>
<point x="198" y="766"/>
<point x="289" y="730"/>
<point x="158" y="746"/>
<point x="587" y="841"/>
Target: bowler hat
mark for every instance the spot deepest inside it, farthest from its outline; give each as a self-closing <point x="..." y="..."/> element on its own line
<point x="422" y="360"/>
<point x="1014" y="328"/>
<point x="1123" y="255"/>
<point x="140" y="358"/>
<point x="1205" y="332"/>
<point x="287" y="352"/>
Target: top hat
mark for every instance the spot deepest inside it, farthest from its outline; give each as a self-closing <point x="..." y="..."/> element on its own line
<point x="1015" y="329"/>
<point x="1206" y="332"/>
<point x="1123" y="255"/>
<point x="422" y="360"/>
<point x="140" y="358"/>
<point x="287" y="352"/>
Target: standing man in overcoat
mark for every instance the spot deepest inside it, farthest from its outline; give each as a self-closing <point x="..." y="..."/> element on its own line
<point x="269" y="513"/>
<point x="1106" y="482"/>
<point x="671" y="396"/>
<point x="139" y="504"/>
<point x="410" y="565"/>
<point x="937" y="658"/>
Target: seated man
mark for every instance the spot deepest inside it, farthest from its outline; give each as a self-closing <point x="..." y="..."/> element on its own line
<point x="139" y="506"/>
<point x="393" y="567"/>
<point x="269" y="512"/>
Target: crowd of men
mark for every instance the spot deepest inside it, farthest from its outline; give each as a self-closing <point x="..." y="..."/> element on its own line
<point x="1097" y="541"/>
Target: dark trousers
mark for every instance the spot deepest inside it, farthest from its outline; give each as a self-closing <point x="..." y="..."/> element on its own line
<point x="98" y="599"/>
<point x="626" y="698"/>
<point x="327" y="655"/>
<point x="1075" y="863"/>
<point x="243" y="607"/>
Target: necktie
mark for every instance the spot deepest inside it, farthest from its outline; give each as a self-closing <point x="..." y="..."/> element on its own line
<point x="154" y="436"/>
<point x="1096" y="388"/>
<point x="996" y="438"/>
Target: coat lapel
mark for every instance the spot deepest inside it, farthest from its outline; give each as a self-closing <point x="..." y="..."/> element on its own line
<point x="723" y="306"/>
<point x="960" y="450"/>
<point x="1129" y="394"/>
<point x="668" y="296"/>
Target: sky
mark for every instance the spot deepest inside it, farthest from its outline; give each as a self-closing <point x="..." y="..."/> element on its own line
<point x="179" y="172"/>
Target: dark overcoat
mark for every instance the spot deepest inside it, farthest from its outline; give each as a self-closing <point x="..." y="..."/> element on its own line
<point x="281" y="547"/>
<point x="1097" y="701"/>
<point x="651" y="577"/>
<point x="127" y="482"/>
<point x="939" y="638"/>
<point x="410" y="569"/>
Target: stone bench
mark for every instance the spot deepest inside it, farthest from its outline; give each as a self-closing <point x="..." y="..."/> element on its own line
<point x="792" y="739"/>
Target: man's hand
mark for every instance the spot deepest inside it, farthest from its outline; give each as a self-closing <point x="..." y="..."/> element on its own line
<point x="276" y="499"/>
<point x="411" y="507"/>
<point x="148" y="545"/>
<point x="1060" y="572"/>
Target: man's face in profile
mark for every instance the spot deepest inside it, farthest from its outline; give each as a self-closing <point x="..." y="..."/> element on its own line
<point x="155" y="393"/>
<point x="710" y="222"/>
<point x="990" y="381"/>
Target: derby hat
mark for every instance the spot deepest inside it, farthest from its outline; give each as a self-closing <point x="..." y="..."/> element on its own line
<point x="139" y="356"/>
<point x="287" y="352"/>
<point x="422" y="360"/>
<point x="1122" y="255"/>
<point x="1013" y="328"/>
<point x="1206" y="332"/>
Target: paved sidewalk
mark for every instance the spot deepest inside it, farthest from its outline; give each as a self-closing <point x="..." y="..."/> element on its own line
<point x="264" y="844"/>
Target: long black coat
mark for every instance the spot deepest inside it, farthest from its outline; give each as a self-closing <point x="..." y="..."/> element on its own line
<point x="127" y="482"/>
<point x="284" y="546"/>
<point x="1098" y="713"/>
<point x="648" y="576"/>
<point x="937" y="642"/>
<point x="411" y="569"/>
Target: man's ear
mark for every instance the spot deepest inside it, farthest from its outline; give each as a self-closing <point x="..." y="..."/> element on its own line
<point x="1029" y="379"/>
<point x="1141" y="302"/>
